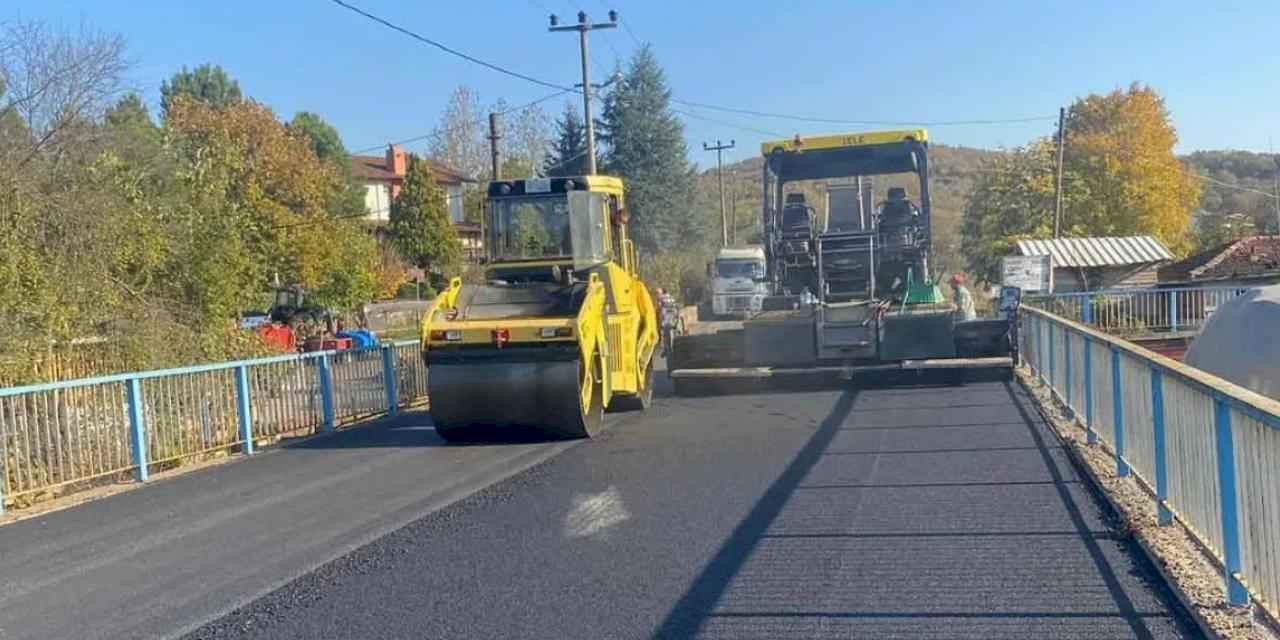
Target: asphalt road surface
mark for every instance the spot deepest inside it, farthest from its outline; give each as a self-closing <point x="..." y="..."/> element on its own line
<point x="942" y="512"/>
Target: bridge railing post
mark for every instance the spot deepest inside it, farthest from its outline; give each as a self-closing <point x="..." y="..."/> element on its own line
<point x="244" y="408"/>
<point x="1117" y="411"/>
<point x="137" y="429"/>
<point x="326" y="392"/>
<point x="389" y="378"/>
<point x="1237" y="595"/>
<point x="1040" y="348"/>
<point x="1086" y="309"/>
<point x="1163" y="515"/>
<point x="1173" y="310"/>
<point x="1066" y="365"/>
<point x="1091" y="436"/>
<point x="1052" y="359"/>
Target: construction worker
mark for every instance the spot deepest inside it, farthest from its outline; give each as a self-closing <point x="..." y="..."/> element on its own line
<point x="962" y="298"/>
<point x="668" y="319"/>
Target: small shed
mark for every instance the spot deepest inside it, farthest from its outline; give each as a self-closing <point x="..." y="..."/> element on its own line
<point x="1089" y="264"/>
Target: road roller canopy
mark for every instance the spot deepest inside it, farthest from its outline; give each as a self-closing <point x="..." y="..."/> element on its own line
<point x="846" y="155"/>
<point x="552" y="219"/>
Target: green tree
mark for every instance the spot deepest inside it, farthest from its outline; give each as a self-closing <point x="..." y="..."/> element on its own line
<point x="1120" y="177"/>
<point x="1012" y="200"/>
<point x="130" y="132"/>
<point x="568" y="153"/>
<point x="207" y="83"/>
<point x="646" y="147"/>
<point x="420" y="224"/>
<point x="325" y="141"/>
<point x="1120" y="147"/>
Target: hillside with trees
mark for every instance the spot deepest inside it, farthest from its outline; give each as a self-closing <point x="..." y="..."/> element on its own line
<point x="1238" y="195"/>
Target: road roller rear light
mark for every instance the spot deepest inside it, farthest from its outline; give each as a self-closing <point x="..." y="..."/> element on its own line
<point x="556" y="332"/>
<point x="501" y="337"/>
<point x="452" y="335"/>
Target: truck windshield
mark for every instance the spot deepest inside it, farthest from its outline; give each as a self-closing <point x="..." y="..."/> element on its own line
<point x="738" y="269"/>
<point x="529" y="228"/>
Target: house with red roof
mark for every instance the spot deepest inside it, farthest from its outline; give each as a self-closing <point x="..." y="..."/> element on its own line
<point x="1248" y="262"/>
<point x="383" y="177"/>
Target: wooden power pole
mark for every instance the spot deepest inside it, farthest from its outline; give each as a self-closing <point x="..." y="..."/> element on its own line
<point x="1057" y="190"/>
<point x="724" y="215"/>
<point x="582" y="28"/>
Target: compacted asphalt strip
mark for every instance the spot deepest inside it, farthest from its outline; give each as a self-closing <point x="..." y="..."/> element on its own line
<point x="898" y="512"/>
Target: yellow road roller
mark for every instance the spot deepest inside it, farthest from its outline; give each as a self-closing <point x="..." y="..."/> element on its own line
<point x="562" y="328"/>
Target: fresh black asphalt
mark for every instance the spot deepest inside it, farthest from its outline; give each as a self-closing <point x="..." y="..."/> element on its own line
<point x="905" y="512"/>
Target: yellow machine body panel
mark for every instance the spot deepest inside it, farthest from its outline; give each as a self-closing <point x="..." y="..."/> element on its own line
<point x="842" y="140"/>
<point x="562" y="307"/>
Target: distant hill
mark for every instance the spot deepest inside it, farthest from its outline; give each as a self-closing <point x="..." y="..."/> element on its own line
<point x="1232" y="193"/>
<point x="954" y="170"/>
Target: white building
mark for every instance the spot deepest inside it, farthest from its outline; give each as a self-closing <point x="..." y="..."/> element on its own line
<point x="383" y="177"/>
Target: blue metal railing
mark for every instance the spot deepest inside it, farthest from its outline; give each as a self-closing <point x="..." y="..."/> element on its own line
<point x="55" y="437"/>
<point x="1207" y="450"/>
<point x="1138" y="311"/>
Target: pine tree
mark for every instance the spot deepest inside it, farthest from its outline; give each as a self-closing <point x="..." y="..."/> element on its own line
<point x="420" y="225"/>
<point x="646" y="147"/>
<point x="207" y="83"/>
<point x="568" y="154"/>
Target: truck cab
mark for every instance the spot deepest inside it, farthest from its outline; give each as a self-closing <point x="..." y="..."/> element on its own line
<point x="738" y="281"/>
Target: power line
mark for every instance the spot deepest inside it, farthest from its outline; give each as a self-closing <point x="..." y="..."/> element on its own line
<point x="784" y="116"/>
<point x="477" y="122"/>
<point x="609" y="36"/>
<point x="729" y="124"/>
<point x="1229" y="185"/>
<point x="689" y="103"/>
<point x="446" y="49"/>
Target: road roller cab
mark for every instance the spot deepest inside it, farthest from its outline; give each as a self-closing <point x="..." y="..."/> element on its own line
<point x="561" y="330"/>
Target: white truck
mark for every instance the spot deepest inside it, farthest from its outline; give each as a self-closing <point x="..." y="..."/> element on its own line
<point x="738" y="282"/>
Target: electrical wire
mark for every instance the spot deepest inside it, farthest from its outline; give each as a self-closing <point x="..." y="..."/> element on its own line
<point x="1228" y="185"/>
<point x="784" y="116"/>
<point x="449" y="50"/>
<point x="692" y="103"/>
<point x="766" y="132"/>
<point x="477" y="122"/>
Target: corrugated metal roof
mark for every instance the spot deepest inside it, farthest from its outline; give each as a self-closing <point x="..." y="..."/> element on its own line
<point x="1097" y="252"/>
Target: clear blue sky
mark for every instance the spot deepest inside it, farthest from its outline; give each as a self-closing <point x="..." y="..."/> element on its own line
<point x="1215" y="63"/>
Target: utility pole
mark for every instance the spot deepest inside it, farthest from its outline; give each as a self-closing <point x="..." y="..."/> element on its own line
<point x="494" y="137"/>
<point x="496" y="161"/>
<point x="1276" y="182"/>
<point x="1057" y="191"/>
<point x="582" y="28"/>
<point x="724" y="216"/>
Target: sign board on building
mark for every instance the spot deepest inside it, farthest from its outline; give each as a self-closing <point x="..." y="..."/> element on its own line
<point x="1029" y="273"/>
